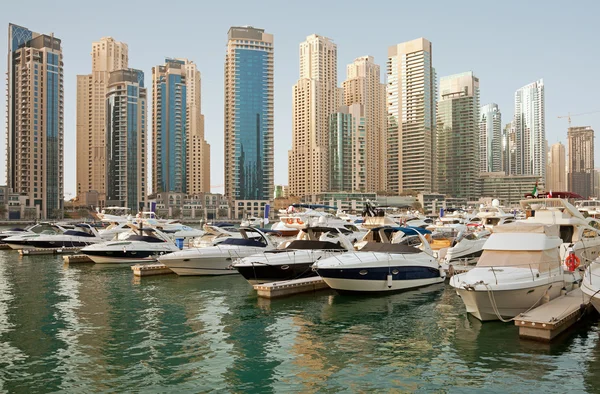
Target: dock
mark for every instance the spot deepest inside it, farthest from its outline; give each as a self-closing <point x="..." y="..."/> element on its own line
<point x="76" y="259"/>
<point x="150" y="270"/>
<point x="551" y="319"/>
<point x="290" y="287"/>
<point x="5" y="247"/>
<point x="40" y="251"/>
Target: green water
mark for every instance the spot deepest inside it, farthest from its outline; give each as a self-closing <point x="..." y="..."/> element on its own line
<point x="85" y="328"/>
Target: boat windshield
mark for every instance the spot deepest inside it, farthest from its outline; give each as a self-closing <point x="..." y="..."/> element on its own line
<point x="243" y="242"/>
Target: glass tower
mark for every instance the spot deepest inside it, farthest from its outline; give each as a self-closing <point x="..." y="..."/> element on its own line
<point x="35" y="119"/>
<point x="249" y="114"/>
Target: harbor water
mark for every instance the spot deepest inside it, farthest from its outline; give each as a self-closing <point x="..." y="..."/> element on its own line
<point x="88" y="328"/>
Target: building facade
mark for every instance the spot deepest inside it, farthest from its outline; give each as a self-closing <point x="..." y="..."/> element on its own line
<point x="249" y="115"/>
<point x="509" y="149"/>
<point x="35" y="124"/>
<point x="411" y="107"/>
<point x="556" y="174"/>
<point x="508" y="189"/>
<point x="490" y="138"/>
<point x="180" y="158"/>
<point x="530" y="131"/>
<point x="126" y="109"/>
<point x="363" y="86"/>
<point x="581" y="160"/>
<point x="348" y="149"/>
<point x="108" y="55"/>
<point x="315" y="97"/>
<point x="458" y="136"/>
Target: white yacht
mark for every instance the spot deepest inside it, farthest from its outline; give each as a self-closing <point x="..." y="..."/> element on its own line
<point x="139" y="245"/>
<point x="293" y="259"/>
<point x="114" y="229"/>
<point x="468" y="248"/>
<point x="82" y="235"/>
<point x="589" y="208"/>
<point x="590" y="285"/>
<point x="114" y="214"/>
<point x="577" y="232"/>
<point x="383" y="267"/>
<point x="217" y="259"/>
<point x="519" y="269"/>
<point x="490" y="216"/>
<point x="216" y="233"/>
<point x="37" y="228"/>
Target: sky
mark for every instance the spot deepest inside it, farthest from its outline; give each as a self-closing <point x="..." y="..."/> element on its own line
<point x="507" y="44"/>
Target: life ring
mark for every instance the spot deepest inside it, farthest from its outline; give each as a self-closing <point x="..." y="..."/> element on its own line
<point x="473" y="224"/>
<point x="290" y="221"/>
<point x="572" y="262"/>
<point x="299" y="221"/>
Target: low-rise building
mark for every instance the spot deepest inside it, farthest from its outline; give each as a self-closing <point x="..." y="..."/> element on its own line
<point x="508" y="189"/>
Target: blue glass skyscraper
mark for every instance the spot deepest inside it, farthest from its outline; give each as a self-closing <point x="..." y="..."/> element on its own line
<point x="249" y="114"/>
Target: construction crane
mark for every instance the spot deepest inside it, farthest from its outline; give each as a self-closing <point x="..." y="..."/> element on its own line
<point x="568" y="116"/>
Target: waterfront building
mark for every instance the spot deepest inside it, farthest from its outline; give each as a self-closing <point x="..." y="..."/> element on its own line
<point x="411" y="107"/>
<point x="597" y="182"/>
<point x="180" y="158"/>
<point x="509" y="149"/>
<point x="458" y="136"/>
<point x="315" y="97"/>
<point x="281" y="191"/>
<point x="508" y="189"/>
<point x="556" y="175"/>
<point x="249" y="115"/>
<point x="348" y="149"/>
<point x="581" y="160"/>
<point x="490" y="138"/>
<point x="530" y="132"/>
<point x="346" y="201"/>
<point x="363" y="86"/>
<point x="108" y="55"/>
<point x="126" y="111"/>
<point x="35" y="125"/>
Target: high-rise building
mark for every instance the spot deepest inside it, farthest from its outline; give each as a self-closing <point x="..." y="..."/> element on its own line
<point x="530" y="132"/>
<point x="509" y="149"/>
<point x="556" y="178"/>
<point x="348" y="149"/>
<point x="411" y="107"/>
<point x="490" y="139"/>
<point x="581" y="160"/>
<point x="108" y="55"/>
<point x="315" y="97"/>
<point x="458" y="136"/>
<point x="126" y="109"/>
<point x="363" y="86"/>
<point x="35" y="126"/>
<point x="180" y="157"/>
<point x="249" y="114"/>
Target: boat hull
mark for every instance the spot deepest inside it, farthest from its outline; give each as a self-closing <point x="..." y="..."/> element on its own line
<point x="120" y="257"/>
<point x="201" y="266"/>
<point x="509" y="303"/>
<point x="261" y="273"/>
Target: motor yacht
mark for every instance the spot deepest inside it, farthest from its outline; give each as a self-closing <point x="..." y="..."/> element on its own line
<point x="114" y="229"/>
<point x="215" y="234"/>
<point x="589" y="208"/>
<point x="405" y="264"/>
<point x="590" y="285"/>
<point x="138" y="245"/>
<point x="217" y="259"/>
<point x="37" y="228"/>
<point x="490" y="216"/>
<point x="82" y="235"/>
<point x="468" y="248"/>
<point x="114" y="214"/>
<point x="519" y="269"/>
<point x="293" y="260"/>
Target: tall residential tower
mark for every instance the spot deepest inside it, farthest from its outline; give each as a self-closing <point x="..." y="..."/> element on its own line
<point x="249" y="115"/>
<point x="108" y="55"/>
<point x="556" y="175"/>
<point x="458" y="136"/>
<point x="315" y="97"/>
<point x="35" y="126"/>
<point x="530" y="131"/>
<point x="411" y="106"/>
<point x="490" y="139"/>
<point x="581" y="160"/>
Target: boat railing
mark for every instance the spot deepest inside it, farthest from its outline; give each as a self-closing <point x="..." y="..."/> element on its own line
<point x="539" y="269"/>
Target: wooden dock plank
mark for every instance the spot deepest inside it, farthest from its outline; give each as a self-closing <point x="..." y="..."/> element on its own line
<point x="77" y="258"/>
<point x="290" y="287"/>
<point x="552" y="318"/>
<point x="150" y="269"/>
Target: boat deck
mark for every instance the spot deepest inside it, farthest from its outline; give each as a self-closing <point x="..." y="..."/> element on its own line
<point x="549" y="320"/>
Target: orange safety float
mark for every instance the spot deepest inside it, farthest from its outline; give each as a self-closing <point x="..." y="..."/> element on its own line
<point x="290" y="221"/>
<point x="572" y="262"/>
<point x="299" y="221"/>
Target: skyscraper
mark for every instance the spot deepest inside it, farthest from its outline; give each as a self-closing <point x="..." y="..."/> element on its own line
<point x="348" y="149"/>
<point x="411" y="106"/>
<point x="509" y="149"/>
<point x="108" y="55"/>
<point x="490" y="139"/>
<point x="458" y="136"/>
<point x="556" y="178"/>
<point x="581" y="160"/>
<point x="34" y="160"/>
<point x="530" y="132"/>
<point x="363" y="86"/>
<point x="180" y="153"/>
<point x="315" y="97"/>
<point x="249" y="114"/>
<point x="126" y="108"/>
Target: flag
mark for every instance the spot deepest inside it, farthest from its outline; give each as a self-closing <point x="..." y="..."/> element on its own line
<point x="267" y="208"/>
<point x="534" y="193"/>
<point x="550" y="194"/>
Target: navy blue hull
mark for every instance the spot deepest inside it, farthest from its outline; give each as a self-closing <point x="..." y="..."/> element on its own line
<point x="274" y="273"/>
<point x="381" y="273"/>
